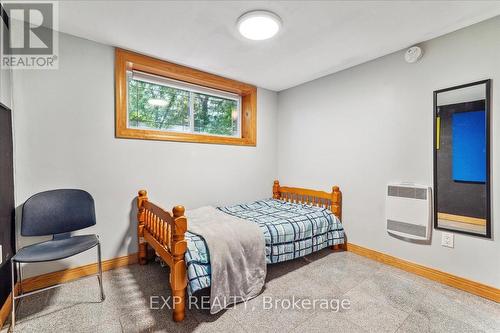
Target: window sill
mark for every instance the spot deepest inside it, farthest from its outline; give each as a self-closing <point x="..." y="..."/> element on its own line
<point x="129" y="133"/>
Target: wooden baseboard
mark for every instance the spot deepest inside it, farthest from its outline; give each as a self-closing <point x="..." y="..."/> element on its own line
<point x="66" y="275"/>
<point x="50" y="279"/>
<point x="472" y="287"/>
<point x="5" y="310"/>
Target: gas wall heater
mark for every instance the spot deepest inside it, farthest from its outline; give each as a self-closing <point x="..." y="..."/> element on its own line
<point x="409" y="211"/>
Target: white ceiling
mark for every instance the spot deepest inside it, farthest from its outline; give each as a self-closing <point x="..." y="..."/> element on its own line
<point x="318" y="37"/>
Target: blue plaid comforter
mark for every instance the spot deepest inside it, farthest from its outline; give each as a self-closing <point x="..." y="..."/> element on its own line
<point x="290" y="230"/>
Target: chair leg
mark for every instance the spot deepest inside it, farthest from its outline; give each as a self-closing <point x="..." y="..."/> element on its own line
<point x="20" y="277"/>
<point x="99" y="277"/>
<point x="13" y="323"/>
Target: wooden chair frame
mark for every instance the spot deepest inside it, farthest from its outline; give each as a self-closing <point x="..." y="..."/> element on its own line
<point x="164" y="233"/>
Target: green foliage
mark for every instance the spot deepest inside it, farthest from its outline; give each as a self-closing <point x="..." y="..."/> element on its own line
<point x="143" y="114"/>
<point x="212" y="114"/>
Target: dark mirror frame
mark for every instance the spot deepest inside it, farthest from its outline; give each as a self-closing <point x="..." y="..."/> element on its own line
<point x="487" y="84"/>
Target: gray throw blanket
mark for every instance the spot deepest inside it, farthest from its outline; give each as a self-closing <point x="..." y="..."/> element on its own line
<point x="237" y="255"/>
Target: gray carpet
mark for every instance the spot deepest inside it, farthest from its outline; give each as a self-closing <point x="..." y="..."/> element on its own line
<point x="382" y="298"/>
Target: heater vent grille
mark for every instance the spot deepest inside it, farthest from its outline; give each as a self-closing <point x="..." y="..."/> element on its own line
<point x="407" y="192"/>
<point x="407" y="228"/>
<point x="408" y="211"/>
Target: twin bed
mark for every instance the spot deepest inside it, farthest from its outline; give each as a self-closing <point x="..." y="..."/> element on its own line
<point x="295" y="223"/>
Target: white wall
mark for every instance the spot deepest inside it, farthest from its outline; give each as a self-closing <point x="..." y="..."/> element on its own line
<point x="64" y="135"/>
<point x="372" y="124"/>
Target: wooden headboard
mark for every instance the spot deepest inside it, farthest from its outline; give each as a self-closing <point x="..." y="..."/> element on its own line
<point x="331" y="201"/>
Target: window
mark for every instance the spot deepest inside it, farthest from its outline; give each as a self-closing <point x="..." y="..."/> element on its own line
<point x="168" y="105"/>
<point x="162" y="101"/>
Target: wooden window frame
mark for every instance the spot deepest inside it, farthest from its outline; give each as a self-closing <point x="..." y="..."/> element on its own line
<point x="127" y="61"/>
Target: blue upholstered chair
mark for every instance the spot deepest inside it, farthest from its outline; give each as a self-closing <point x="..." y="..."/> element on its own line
<point x="56" y="213"/>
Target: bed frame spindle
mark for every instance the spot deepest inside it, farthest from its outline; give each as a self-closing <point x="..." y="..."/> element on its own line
<point x="331" y="201"/>
<point x="164" y="232"/>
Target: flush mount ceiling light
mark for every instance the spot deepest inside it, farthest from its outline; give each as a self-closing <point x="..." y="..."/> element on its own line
<point x="259" y="24"/>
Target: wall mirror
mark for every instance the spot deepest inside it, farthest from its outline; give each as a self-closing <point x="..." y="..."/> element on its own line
<point x="462" y="159"/>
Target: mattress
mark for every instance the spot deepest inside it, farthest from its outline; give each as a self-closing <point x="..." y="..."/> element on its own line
<point x="291" y="230"/>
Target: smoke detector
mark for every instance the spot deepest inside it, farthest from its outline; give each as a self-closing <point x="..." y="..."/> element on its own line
<point x="413" y="54"/>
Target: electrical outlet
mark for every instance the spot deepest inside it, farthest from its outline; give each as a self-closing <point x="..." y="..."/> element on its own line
<point x="447" y="239"/>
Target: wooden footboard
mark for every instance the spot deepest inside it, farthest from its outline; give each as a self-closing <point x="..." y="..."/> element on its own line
<point x="164" y="232"/>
